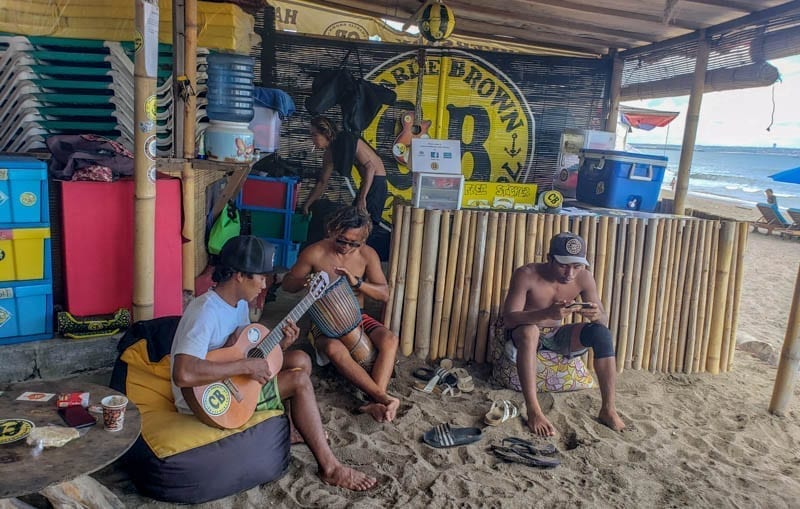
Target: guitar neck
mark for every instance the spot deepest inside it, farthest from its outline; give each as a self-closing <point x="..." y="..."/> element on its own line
<point x="276" y="334"/>
<point x="418" y="104"/>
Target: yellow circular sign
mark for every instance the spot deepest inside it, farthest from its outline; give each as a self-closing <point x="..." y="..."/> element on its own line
<point x="151" y="107"/>
<point x="12" y="430"/>
<point x="480" y="106"/>
<point x="28" y="199"/>
<point x="552" y="199"/>
<point x="216" y="399"/>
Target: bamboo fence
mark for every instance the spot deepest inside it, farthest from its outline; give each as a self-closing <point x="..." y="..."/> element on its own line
<point x="671" y="285"/>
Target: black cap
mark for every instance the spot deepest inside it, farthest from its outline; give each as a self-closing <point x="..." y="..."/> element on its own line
<point x="247" y="253"/>
<point x="568" y="248"/>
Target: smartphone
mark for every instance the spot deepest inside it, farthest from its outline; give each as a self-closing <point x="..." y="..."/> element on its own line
<point x="77" y="416"/>
<point x="581" y="305"/>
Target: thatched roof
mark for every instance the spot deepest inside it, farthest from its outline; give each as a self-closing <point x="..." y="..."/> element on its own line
<point x="593" y="27"/>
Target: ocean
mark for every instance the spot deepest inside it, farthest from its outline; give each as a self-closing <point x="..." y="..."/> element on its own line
<point x="738" y="174"/>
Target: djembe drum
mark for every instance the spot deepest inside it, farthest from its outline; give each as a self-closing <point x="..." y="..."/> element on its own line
<point x="337" y="315"/>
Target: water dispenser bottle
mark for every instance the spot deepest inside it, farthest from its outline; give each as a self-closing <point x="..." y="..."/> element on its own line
<point x="230" y="87"/>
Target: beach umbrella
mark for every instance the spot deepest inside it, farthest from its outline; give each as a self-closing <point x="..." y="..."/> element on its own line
<point x="791" y="176"/>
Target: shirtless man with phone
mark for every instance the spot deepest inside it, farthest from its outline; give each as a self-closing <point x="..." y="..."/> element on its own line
<point x="539" y="297"/>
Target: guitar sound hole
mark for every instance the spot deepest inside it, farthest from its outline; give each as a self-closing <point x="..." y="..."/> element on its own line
<point x="255" y="353"/>
<point x="415" y="130"/>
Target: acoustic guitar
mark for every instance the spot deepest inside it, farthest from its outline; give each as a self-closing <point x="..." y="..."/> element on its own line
<point x="413" y="126"/>
<point x="230" y="403"/>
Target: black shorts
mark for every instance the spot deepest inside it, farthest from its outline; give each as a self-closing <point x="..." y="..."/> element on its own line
<point x="376" y="198"/>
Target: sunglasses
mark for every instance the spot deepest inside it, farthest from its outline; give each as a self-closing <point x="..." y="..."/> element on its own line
<point x="348" y="243"/>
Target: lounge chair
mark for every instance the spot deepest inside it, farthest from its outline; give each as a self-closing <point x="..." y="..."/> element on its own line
<point x="795" y="215"/>
<point x="771" y="219"/>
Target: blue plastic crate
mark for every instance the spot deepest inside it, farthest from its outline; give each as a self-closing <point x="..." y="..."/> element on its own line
<point x="26" y="311"/>
<point x="24" y="198"/>
<point x="285" y="253"/>
<point x="620" y="180"/>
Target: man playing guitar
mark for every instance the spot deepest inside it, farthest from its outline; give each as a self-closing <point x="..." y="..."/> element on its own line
<point x="344" y="253"/>
<point x="207" y="324"/>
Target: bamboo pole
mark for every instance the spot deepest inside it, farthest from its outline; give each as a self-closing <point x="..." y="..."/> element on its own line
<point x="599" y="267"/>
<point x="666" y="324"/>
<point x="508" y="262"/>
<point x="452" y="267"/>
<point x="737" y="294"/>
<point x="497" y="292"/>
<point x="530" y="238"/>
<point x="688" y="284"/>
<point x="659" y="293"/>
<point x="520" y="236"/>
<point x="402" y="266"/>
<point x="188" y="181"/>
<point x="712" y="281"/>
<point x="681" y="264"/>
<point x="693" y="304"/>
<point x="394" y="261"/>
<point x="412" y="281"/>
<point x="790" y="358"/>
<point x="548" y="234"/>
<point x="430" y="248"/>
<point x="721" y="293"/>
<point x="608" y="276"/>
<point x="648" y="261"/>
<point x="701" y="305"/>
<point x="458" y="289"/>
<point x="441" y="287"/>
<point x="488" y="288"/>
<point x="618" y="255"/>
<point x="625" y="295"/>
<point x="692" y="119"/>
<point x="541" y="244"/>
<point x="476" y="286"/>
<point x="591" y="239"/>
<point x="654" y="296"/>
<point x="728" y="320"/>
<point x="635" y="292"/>
<point x="145" y="74"/>
<point x="467" y="292"/>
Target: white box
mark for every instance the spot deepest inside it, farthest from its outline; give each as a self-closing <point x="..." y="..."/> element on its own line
<point x="436" y="191"/>
<point x="436" y="156"/>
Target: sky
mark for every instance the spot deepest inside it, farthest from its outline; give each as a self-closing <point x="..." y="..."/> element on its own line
<point x="736" y="117"/>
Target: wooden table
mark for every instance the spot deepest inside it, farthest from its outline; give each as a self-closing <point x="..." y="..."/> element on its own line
<point x="22" y="473"/>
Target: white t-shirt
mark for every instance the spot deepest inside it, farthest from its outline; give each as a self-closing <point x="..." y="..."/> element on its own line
<point x="206" y="325"/>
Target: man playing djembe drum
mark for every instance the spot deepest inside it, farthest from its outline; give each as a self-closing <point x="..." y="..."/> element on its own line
<point x="365" y="353"/>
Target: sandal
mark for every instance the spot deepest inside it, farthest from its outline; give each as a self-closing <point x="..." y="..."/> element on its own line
<point x="426" y="374"/>
<point x="463" y="379"/>
<point x="515" y="455"/>
<point x="501" y="411"/>
<point x="529" y="447"/>
<point x="438" y="378"/>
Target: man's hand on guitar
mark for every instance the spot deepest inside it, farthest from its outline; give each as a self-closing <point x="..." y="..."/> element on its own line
<point x="290" y="334"/>
<point x="258" y="370"/>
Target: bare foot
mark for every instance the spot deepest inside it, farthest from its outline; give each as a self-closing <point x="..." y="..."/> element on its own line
<point x="611" y="419"/>
<point x="539" y="425"/>
<point x="391" y="408"/>
<point x="348" y="478"/>
<point x="377" y="411"/>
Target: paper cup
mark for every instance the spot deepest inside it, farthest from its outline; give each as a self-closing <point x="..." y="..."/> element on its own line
<point x="114" y="412"/>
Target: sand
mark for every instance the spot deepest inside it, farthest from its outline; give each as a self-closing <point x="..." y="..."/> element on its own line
<point x="692" y="441"/>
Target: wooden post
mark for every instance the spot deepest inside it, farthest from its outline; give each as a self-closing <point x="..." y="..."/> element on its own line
<point x="737" y="294"/>
<point x="441" y="288"/>
<point x="488" y="288"/>
<point x="692" y="119"/>
<point x="642" y="314"/>
<point x="452" y="266"/>
<point x="721" y="294"/>
<point x="412" y="281"/>
<point x="189" y="124"/>
<point x="394" y="262"/>
<point x="476" y="285"/>
<point x="430" y="245"/>
<point x="397" y="310"/>
<point x="790" y="358"/>
<point x="144" y="141"/>
<point x="614" y="92"/>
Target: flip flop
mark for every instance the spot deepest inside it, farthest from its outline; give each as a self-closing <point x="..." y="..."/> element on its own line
<point x="510" y="455"/>
<point x="464" y="380"/>
<point x="501" y="411"/>
<point x="440" y="389"/>
<point x="427" y="374"/>
<point x="444" y="435"/>
<point x="529" y="447"/>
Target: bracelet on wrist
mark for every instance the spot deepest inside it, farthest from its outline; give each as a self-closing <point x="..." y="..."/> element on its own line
<point x="358" y="284"/>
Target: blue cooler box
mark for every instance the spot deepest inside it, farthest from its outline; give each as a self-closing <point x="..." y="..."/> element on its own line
<point x="26" y="311"/>
<point x="23" y="192"/>
<point x="620" y="180"/>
